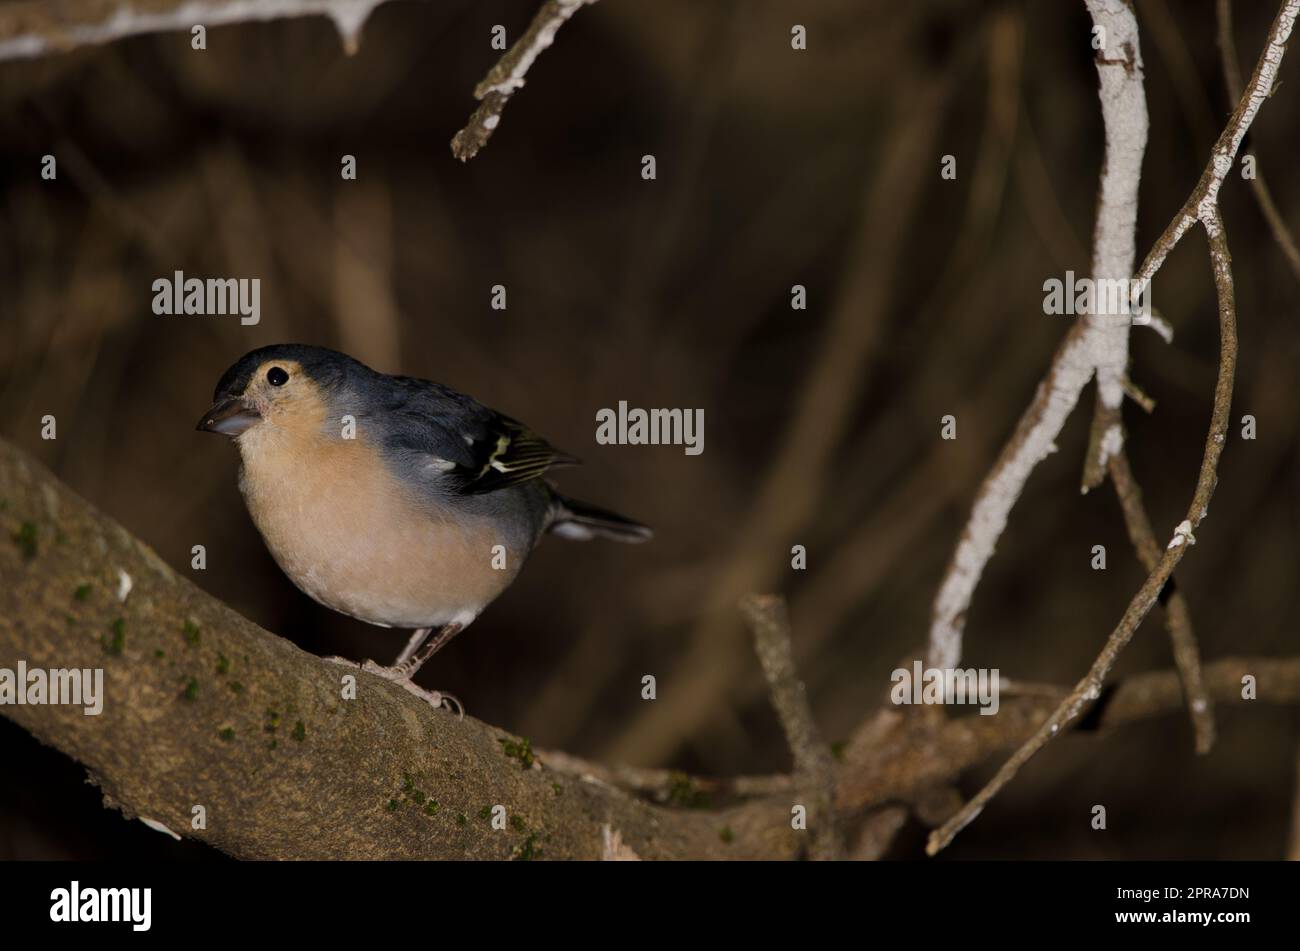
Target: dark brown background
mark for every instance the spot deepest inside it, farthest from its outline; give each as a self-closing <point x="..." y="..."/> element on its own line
<point x="676" y="293"/>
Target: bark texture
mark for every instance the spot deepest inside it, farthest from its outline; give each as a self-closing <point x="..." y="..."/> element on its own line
<point x="204" y="708"/>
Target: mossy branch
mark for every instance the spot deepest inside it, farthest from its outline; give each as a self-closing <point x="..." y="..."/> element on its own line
<point x="202" y="708"/>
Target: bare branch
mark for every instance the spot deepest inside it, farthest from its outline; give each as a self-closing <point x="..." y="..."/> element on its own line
<point x="1202" y="203"/>
<point x="1088" y="689"/>
<point x="284" y="764"/>
<point x="1072" y="367"/>
<point x="36" y="27"/>
<point x="508" y="75"/>
<point x="31" y="28"/>
<point x="667" y="786"/>
<point x="286" y="768"/>
<point x="1092" y="343"/>
<point x="1258" y="186"/>
<point x="1095" y="344"/>
<point x="1178" y="618"/>
<point x="1107" y="436"/>
<point x="813" y="764"/>
<point x="1124" y="114"/>
<point x="1033" y="440"/>
<point x="908" y="754"/>
<point x="770" y="624"/>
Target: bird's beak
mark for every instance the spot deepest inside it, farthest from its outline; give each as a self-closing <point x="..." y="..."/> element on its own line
<point x="230" y="417"/>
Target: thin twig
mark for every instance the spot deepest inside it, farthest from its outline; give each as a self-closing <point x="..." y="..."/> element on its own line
<point x="1107" y="438"/>
<point x="1205" y="196"/>
<point x="1088" y="689"/>
<point x="878" y="770"/>
<point x="1106" y="433"/>
<point x="813" y="764"/>
<point x="508" y="75"/>
<point x="1178" y="618"/>
<point x="1259" y="188"/>
<point x="906" y="754"/>
<point x="1138" y="395"/>
<point x="667" y="786"/>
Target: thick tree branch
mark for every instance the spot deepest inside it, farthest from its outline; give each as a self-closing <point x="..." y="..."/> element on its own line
<point x="204" y="708"/>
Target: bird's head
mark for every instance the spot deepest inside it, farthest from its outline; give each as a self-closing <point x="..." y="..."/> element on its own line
<point x="288" y="386"/>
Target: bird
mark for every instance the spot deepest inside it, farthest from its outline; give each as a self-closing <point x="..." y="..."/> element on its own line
<point x="394" y="500"/>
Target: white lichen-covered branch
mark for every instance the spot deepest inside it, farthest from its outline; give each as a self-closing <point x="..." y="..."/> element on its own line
<point x="1099" y="344"/>
<point x="37" y="27"/>
<point x="1088" y="689"/>
<point x="1124" y="115"/>
<point x="1089" y="343"/>
<point x="1202" y="206"/>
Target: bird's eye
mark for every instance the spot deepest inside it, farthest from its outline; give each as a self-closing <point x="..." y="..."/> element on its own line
<point x="277" y="376"/>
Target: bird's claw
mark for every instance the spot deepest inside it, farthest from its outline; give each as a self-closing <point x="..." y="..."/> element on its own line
<point x="446" y="701"/>
<point x="434" y="698"/>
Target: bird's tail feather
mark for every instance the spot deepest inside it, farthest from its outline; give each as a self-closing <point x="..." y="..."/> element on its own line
<point x="580" y="521"/>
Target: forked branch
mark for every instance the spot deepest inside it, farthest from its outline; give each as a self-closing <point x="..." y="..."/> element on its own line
<point x="1200" y="206"/>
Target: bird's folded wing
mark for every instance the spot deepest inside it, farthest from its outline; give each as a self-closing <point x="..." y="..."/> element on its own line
<point x="476" y="448"/>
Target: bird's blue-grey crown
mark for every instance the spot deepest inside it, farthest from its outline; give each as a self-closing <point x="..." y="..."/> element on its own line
<point x="327" y="368"/>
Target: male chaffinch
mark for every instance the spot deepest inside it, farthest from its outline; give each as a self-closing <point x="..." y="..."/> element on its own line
<point x="396" y="501"/>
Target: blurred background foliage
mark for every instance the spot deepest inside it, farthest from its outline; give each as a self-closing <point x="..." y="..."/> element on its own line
<point x="775" y="168"/>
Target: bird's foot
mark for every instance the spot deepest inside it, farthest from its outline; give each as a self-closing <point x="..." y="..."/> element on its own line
<point x="434" y="698"/>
